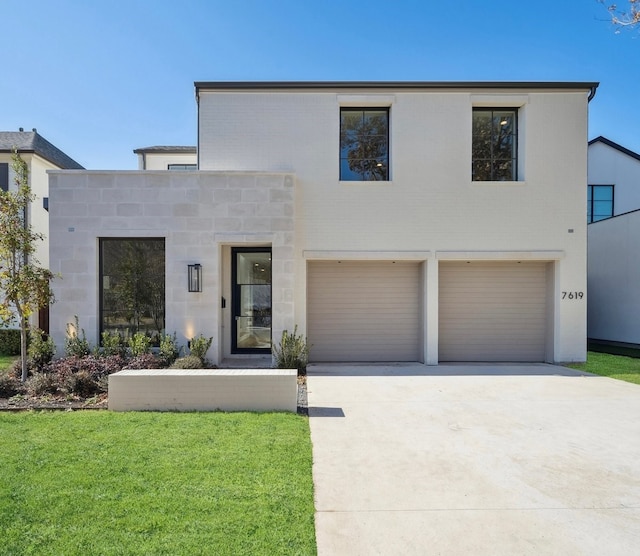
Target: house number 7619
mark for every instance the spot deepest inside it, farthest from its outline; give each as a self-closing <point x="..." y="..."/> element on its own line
<point x="572" y="295"/>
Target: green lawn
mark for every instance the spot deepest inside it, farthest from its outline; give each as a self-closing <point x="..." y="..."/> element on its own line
<point x="614" y="366"/>
<point x="7" y="360"/>
<point x="155" y="483"/>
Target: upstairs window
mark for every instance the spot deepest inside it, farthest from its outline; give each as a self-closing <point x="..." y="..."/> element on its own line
<point x="4" y="176"/>
<point x="364" y="144"/>
<point x="599" y="202"/>
<point x="495" y="144"/>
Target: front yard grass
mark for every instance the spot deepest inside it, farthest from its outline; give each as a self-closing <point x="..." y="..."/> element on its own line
<point x="155" y="483"/>
<point x="6" y="361"/>
<point x="613" y="366"/>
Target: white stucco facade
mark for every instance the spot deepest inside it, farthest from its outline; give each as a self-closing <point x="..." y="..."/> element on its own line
<point x="40" y="156"/>
<point x="613" y="269"/>
<point x="269" y="175"/>
<point x="39" y="183"/>
<point x="614" y="276"/>
<point x="612" y="164"/>
<point x="163" y="158"/>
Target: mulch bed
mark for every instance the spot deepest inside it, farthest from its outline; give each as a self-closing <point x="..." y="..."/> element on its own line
<point x="73" y="403"/>
<point x="69" y="403"/>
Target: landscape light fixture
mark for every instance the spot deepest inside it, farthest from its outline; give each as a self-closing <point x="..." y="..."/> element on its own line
<point x="194" y="276"/>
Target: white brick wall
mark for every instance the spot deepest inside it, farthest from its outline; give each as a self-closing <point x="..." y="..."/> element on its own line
<point x="430" y="204"/>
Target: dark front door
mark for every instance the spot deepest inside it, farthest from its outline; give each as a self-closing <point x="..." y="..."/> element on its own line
<point x="251" y="300"/>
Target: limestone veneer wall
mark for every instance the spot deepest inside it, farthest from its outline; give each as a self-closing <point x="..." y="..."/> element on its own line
<point x="198" y="213"/>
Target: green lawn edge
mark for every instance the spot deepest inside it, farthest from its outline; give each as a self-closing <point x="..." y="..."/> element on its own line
<point x="613" y="366"/>
<point x="156" y="483"/>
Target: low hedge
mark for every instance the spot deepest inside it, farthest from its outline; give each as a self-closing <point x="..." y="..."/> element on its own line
<point x="9" y="341"/>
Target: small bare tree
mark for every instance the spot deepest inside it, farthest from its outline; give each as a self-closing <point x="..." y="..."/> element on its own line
<point x="24" y="286"/>
<point x="623" y="17"/>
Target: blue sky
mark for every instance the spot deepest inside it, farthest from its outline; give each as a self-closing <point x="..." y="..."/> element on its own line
<point x="100" y="78"/>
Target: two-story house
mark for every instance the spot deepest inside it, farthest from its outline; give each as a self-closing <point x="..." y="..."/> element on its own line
<point x="407" y="221"/>
<point x="613" y="212"/>
<point x="40" y="156"/>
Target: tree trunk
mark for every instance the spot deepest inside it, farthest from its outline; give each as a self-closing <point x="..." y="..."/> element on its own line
<point x="23" y="347"/>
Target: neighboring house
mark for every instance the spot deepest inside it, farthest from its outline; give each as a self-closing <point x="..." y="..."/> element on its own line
<point x="614" y="279"/>
<point x="40" y="156"/>
<point x="614" y="180"/>
<point x="614" y="251"/>
<point x="167" y="158"/>
<point x="422" y="221"/>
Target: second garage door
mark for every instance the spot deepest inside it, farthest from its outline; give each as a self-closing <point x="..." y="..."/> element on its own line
<point x="492" y="311"/>
<point x="364" y="310"/>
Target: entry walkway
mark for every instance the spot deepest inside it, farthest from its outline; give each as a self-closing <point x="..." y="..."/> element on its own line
<point x="483" y="460"/>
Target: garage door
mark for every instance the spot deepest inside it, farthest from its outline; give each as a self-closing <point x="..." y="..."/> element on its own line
<point x="364" y="311"/>
<point x="492" y="311"/>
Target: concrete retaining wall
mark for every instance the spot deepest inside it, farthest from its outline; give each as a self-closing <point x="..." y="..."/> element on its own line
<point x="204" y="390"/>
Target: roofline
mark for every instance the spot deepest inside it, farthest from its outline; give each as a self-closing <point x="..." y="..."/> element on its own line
<point x="307" y="85"/>
<point x="614" y="216"/>
<point x="613" y="145"/>
<point x="159" y="150"/>
<point x="43" y="156"/>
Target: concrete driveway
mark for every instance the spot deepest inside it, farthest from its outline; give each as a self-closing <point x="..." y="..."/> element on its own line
<point x="474" y="459"/>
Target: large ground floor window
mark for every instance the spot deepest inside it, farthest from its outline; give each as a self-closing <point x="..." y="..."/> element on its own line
<point x="132" y="286"/>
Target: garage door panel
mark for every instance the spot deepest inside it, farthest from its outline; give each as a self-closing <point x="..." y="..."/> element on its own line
<point x="492" y="311"/>
<point x="364" y="311"/>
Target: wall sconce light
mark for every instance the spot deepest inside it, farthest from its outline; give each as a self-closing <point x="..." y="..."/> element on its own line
<point x="194" y="275"/>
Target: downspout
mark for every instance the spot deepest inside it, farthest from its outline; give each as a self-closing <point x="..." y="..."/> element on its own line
<point x="592" y="93"/>
<point x="198" y="127"/>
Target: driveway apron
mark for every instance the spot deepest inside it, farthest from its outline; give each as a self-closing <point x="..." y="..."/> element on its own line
<point x="474" y="459"/>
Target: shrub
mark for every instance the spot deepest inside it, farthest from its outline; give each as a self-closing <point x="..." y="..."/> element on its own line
<point x="40" y="384"/>
<point x="188" y="362"/>
<point x="85" y="376"/>
<point x="145" y="361"/>
<point x="9" y="341"/>
<point x="169" y="350"/>
<point x="76" y="345"/>
<point x="292" y="352"/>
<point x="112" y="344"/>
<point x="199" y="346"/>
<point x="139" y="344"/>
<point x="16" y="369"/>
<point x="83" y="383"/>
<point x="41" y="350"/>
<point x="9" y="385"/>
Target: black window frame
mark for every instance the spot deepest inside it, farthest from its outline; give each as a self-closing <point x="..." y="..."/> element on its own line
<point x="591" y="201"/>
<point x="236" y="299"/>
<point x="493" y="159"/>
<point x="101" y="241"/>
<point x="382" y="161"/>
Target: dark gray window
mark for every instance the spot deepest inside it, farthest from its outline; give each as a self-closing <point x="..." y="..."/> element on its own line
<point x="182" y="166"/>
<point x="4" y="176"/>
<point x="599" y="202"/>
<point x="364" y="144"/>
<point x="495" y="144"/>
<point x="132" y="285"/>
